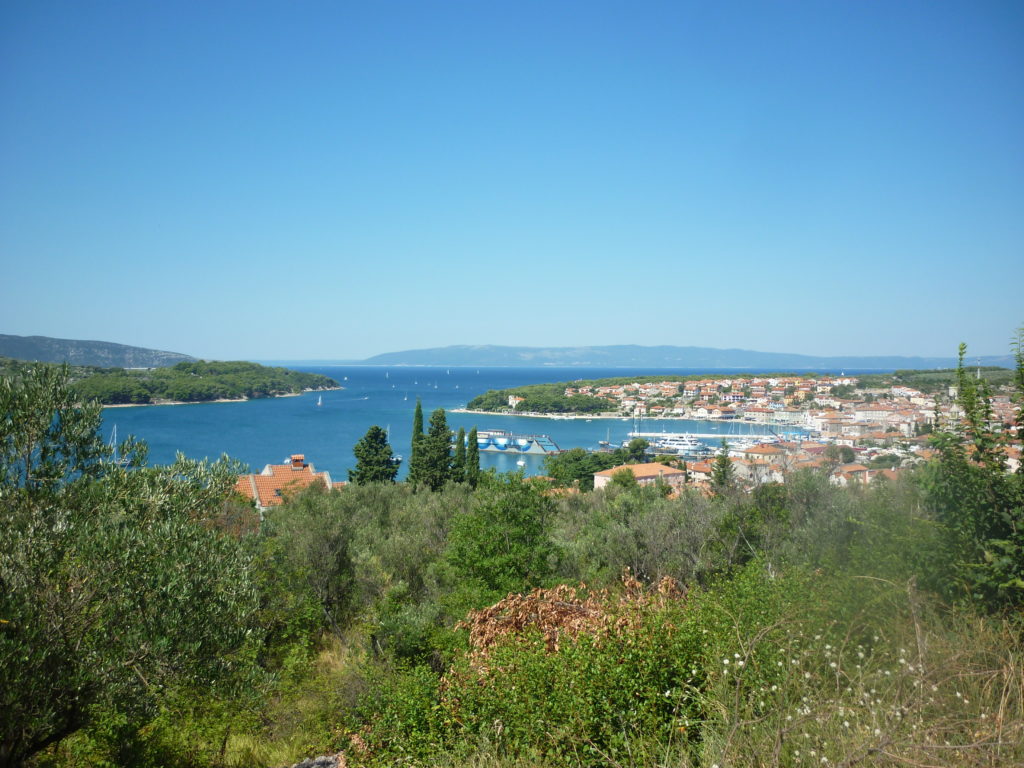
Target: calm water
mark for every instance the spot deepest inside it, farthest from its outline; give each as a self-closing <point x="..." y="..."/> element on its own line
<point x="260" y="432"/>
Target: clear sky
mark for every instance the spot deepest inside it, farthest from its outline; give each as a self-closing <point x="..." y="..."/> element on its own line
<point x="334" y="179"/>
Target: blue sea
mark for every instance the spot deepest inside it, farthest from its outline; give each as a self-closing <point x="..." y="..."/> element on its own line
<point x="260" y="432"/>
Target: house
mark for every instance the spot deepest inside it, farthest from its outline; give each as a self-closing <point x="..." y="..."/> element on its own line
<point x="270" y="487"/>
<point x="645" y="474"/>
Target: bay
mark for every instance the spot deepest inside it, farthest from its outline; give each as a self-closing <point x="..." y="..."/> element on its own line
<point x="260" y="432"/>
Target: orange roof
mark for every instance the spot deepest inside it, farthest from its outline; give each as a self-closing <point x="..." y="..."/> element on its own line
<point x="270" y="487"/>
<point x="642" y="471"/>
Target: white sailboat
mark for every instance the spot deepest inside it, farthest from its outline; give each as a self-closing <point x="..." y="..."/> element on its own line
<point x="319" y="401"/>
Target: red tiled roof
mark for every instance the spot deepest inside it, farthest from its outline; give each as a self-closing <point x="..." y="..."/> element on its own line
<point x="270" y="487"/>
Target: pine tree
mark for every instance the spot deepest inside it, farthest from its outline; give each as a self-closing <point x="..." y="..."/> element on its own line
<point x="416" y="452"/>
<point x="472" y="467"/>
<point x="374" y="459"/>
<point x="459" y="463"/>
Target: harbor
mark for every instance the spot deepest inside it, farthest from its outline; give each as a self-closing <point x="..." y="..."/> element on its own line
<point x="502" y="441"/>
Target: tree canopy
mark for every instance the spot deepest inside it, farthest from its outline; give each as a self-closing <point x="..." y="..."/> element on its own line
<point x="374" y="459"/>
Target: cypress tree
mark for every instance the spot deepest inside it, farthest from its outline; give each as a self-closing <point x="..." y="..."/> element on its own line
<point x="416" y="473"/>
<point x="417" y="422"/>
<point x="472" y="465"/>
<point x="459" y="463"/>
<point x="435" y="449"/>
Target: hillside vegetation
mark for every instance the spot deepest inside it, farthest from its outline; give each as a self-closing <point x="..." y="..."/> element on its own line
<point x="149" y="619"/>
<point x="184" y="382"/>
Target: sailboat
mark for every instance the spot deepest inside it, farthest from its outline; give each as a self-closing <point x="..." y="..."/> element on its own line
<point x="115" y="457"/>
<point x="319" y="401"/>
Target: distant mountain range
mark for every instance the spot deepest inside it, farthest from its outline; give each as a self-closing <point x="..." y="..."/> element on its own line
<point x="633" y="356"/>
<point x="99" y="353"/>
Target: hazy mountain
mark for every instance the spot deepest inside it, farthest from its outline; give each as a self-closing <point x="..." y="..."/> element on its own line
<point x="102" y="353"/>
<point x="634" y="356"/>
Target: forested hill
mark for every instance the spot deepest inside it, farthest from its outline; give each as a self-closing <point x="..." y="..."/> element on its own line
<point x="75" y="352"/>
<point x="632" y="355"/>
<point x="185" y="382"/>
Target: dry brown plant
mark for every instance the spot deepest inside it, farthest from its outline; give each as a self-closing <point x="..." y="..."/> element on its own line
<point x="566" y="612"/>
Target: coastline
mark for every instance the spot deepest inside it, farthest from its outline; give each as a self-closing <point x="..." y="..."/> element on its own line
<point x="582" y="416"/>
<point x="219" y="400"/>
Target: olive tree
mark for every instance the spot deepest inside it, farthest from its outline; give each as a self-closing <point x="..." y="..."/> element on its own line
<point x="114" y="583"/>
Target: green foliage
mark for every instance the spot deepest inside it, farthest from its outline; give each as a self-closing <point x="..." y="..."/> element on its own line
<point x="624" y="479"/>
<point x="417" y="467"/>
<point x="114" y="581"/>
<point x="459" y="462"/>
<point x="541" y="398"/>
<point x="980" y="506"/>
<point x="315" y="530"/>
<point x="636" y="451"/>
<point x="193" y="382"/>
<point x="723" y="475"/>
<point x="432" y="454"/>
<point x="374" y="459"/>
<point x="472" y="470"/>
<point x="502" y="543"/>
<point x="576" y="467"/>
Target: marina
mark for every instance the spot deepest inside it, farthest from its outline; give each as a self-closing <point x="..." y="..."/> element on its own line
<point x="501" y="441"/>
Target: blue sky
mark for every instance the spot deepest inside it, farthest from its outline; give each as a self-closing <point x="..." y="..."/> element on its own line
<point x="300" y="180"/>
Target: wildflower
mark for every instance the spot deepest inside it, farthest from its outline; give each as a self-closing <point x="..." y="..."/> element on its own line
<point x="740" y="663"/>
<point x="726" y="662"/>
<point x="878" y="732"/>
<point x="807" y="675"/>
<point x="846" y="723"/>
<point x="832" y="664"/>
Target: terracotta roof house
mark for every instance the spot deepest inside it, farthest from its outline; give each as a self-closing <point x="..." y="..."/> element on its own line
<point x="269" y="487"/>
<point x="645" y="474"/>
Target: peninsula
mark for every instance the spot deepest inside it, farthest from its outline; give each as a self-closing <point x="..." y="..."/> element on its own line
<point x="186" y="382"/>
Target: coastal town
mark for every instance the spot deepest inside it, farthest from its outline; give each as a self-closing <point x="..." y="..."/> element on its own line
<point x="856" y="433"/>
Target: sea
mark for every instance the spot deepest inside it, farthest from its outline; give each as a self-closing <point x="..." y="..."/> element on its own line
<point x="266" y="431"/>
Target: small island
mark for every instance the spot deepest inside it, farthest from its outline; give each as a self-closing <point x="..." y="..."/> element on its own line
<point x="186" y="382"/>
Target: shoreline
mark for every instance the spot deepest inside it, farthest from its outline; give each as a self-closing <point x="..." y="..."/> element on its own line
<point x="219" y="400"/>
<point x="607" y="416"/>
